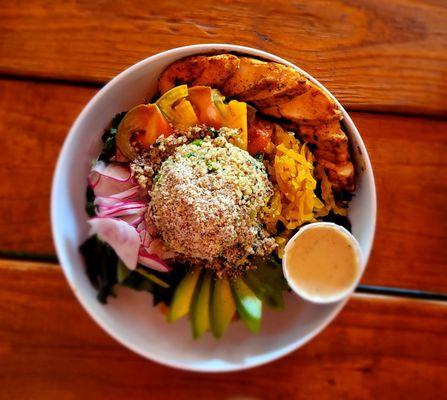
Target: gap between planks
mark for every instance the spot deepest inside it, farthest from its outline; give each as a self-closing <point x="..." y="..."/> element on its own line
<point x="99" y="85"/>
<point x="35" y="263"/>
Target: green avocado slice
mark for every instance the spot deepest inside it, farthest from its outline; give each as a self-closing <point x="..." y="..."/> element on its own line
<point x="270" y="271"/>
<point x="269" y="293"/>
<point x="200" y="308"/>
<point x="248" y="304"/>
<point x="183" y="295"/>
<point x="223" y="307"/>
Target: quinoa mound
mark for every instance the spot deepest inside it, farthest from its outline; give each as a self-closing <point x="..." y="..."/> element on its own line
<point x="206" y="201"/>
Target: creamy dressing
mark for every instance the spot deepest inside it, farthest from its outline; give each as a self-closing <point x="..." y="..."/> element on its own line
<point x="322" y="262"/>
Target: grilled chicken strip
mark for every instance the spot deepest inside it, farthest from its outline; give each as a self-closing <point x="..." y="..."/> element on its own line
<point x="332" y="152"/>
<point x="277" y="91"/>
<point x="211" y="71"/>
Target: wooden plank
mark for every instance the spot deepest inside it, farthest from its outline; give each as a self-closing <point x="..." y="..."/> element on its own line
<point x="379" y="347"/>
<point x="34" y="119"/>
<point x="408" y="156"/>
<point x="373" y="55"/>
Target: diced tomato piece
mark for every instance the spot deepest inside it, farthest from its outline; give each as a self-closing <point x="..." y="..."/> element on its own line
<point x="156" y="125"/>
<point x="260" y="132"/>
<point x="143" y="123"/>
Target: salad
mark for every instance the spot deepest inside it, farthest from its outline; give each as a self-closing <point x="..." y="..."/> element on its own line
<point x="196" y="193"/>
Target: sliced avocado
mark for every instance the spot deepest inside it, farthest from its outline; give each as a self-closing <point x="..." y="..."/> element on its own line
<point x="223" y="307"/>
<point x="267" y="292"/>
<point x="248" y="304"/>
<point x="122" y="272"/>
<point x="200" y="307"/>
<point x="269" y="270"/>
<point x="183" y="295"/>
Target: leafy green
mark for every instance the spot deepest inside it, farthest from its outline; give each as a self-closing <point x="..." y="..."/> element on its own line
<point x="101" y="266"/>
<point x="173" y="278"/>
<point x="104" y="270"/>
<point x="122" y="272"/>
<point x="109" y="138"/>
<point x="90" y="207"/>
<point x="138" y="282"/>
<point x="109" y="148"/>
<point x="338" y="219"/>
<point x="152" y="277"/>
<point x="343" y="195"/>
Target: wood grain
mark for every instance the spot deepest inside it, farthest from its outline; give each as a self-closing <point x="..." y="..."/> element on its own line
<point x="410" y="168"/>
<point x="34" y="119"/>
<point x="408" y="156"/>
<point x="377" y="348"/>
<point x="373" y="55"/>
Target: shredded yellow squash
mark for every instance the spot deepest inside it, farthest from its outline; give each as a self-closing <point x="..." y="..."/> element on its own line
<point x="294" y="201"/>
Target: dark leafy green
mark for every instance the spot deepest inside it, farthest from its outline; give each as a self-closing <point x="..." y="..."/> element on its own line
<point x="260" y="156"/>
<point x="343" y="195"/>
<point x="214" y="132"/>
<point x="338" y="219"/>
<point x="164" y="295"/>
<point x="138" y="282"/>
<point x="90" y="207"/>
<point x="104" y="270"/>
<point x="317" y="190"/>
<point x="122" y="272"/>
<point x="101" y="266"/>
<point x="109" y="138"/>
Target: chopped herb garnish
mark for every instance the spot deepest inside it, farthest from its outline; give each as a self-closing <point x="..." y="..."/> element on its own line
<point x="197" y="142"/>
<point x="259" y="157"/>
<point x="211" y="166"/>
<point x="214" y="132"/>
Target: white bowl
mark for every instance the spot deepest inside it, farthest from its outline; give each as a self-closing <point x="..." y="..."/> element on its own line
<point x="130" y="318"/>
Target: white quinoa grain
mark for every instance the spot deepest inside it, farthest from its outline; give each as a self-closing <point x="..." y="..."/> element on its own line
<point x="205" y="202"/>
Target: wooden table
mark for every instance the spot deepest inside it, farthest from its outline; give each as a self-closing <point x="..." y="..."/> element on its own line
<point x="386" y="60"/>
